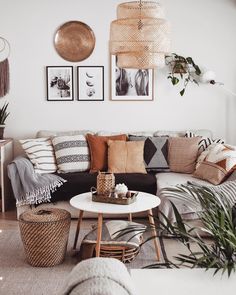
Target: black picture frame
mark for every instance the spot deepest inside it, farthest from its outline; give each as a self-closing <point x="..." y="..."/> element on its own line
<point x="90" y="83"/>
<point x="60" y="83"/>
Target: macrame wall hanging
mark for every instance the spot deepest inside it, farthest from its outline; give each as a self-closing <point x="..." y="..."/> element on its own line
<point x="4" y="66"/>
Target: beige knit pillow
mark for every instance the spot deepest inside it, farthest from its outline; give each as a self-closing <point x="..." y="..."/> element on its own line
<point x="126" y="156"/>
<point x="182" y="154"/>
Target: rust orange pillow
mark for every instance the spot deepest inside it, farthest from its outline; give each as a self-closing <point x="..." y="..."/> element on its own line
<point x="99" y="149"/>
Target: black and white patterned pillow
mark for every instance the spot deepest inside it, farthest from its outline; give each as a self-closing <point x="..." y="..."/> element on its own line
<point x="204" y="142"/>
<point x="72" y="153"/>
<point x="155" y="152"/>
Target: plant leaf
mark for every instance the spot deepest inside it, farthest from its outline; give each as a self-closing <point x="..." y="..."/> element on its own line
<point x="182" y="92"/>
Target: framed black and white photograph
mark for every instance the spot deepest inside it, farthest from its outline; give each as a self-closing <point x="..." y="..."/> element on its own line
<point x="90" y="83"/>
<point x="59" y="83"/>
<point x="130" y="84"/>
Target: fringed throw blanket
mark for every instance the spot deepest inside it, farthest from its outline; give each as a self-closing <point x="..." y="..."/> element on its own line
<point x="30" y="187"/>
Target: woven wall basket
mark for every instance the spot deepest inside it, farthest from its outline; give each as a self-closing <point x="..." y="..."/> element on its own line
<point x="45" y="234"/>
<point x="105" y="183"/>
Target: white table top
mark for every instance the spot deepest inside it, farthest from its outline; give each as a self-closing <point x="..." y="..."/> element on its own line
<point x="182" y="282"/>
<point x="144" y="202"/>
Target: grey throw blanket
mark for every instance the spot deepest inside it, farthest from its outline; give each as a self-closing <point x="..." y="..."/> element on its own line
<point x="30" y="187"/>
<point x="103" y="276"/>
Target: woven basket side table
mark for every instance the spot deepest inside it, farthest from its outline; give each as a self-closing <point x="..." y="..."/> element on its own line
<point x="44" y="235"/>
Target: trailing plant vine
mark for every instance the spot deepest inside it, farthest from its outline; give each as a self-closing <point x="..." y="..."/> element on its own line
<point x="182" y="68"/>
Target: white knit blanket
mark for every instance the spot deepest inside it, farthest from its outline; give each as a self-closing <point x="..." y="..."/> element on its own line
<point x="103" y="276"/>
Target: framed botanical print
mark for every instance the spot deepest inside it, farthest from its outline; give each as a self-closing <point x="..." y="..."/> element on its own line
<point x="130" y="84"/>
<point x="90" y="83"/>
<point x="59" y="83"/>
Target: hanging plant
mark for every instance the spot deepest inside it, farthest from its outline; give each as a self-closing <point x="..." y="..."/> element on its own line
<point x="182" y="69"/>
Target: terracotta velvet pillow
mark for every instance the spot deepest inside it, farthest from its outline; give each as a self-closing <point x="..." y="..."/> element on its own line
<point x="126" y="157"/>
<point x="182" y="154"/>
<point x="98" y="150"/>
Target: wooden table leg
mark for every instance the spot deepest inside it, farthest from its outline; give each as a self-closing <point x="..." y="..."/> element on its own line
<point x="78" y="228"/>
<point x="154" y="233"/>
<point x="130" y="217"/>
<point x="99" y="234"/>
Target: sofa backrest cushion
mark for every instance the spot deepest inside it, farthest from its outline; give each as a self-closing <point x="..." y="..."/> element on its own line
<point x="72" y="153"/>
<point x="53" y="133"/>
<point x="197" y="132"/>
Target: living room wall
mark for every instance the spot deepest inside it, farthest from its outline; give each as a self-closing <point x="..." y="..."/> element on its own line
<point x="203" y="29"/>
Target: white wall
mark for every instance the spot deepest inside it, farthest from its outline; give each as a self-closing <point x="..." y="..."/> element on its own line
<point x="203" y="29"/>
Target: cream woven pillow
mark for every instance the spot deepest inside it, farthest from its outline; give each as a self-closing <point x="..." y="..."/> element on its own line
<point x="41" y="154"/>
<point x="126" y="156"/>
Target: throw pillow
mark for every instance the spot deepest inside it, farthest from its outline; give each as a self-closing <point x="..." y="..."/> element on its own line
<point x="182" y="154"/>
<point x="111" y="239"/>
<point x="72" y="153"/>
<point x="155" y="152"/>
<point x="98" y="150"/>
<point x="126" y="157"/>
<point x="205" y="142"/>
<point x="218" y="164"/>
<point x="41" y="154"/>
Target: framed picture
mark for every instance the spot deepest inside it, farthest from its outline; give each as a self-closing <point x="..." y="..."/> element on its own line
<point x="59" y="83"/>
<point x="130" y="84"/>
<point x="90" y="83"/>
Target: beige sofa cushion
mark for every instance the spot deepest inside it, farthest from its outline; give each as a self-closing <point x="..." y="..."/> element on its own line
<point x="52" y="133"/>
<point x="182" y="154"/>
<point x="126" y="157"/>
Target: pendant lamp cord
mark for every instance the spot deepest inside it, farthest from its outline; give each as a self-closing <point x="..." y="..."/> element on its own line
<point x="140" y="24"/>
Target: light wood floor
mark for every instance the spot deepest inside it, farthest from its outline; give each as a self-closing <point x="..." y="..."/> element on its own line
<point x="8" y="220"/>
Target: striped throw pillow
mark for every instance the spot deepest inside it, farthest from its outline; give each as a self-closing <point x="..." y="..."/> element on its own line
<point x="72" y="153"/>
<point x="41" y="154"/>
<point x="205" y="142"/>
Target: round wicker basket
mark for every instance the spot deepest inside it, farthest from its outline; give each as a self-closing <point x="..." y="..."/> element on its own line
<point x="45" y="234"/>
<point x="124" y="254"/>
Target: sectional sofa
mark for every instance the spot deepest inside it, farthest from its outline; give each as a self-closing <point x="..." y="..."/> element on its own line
<point x="79" y="182"/>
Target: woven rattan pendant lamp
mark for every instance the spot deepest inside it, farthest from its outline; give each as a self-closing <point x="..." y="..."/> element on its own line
<point x="140" y="37"/>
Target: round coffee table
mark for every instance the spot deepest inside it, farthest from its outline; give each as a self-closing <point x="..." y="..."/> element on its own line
<point x="144" y="202"/>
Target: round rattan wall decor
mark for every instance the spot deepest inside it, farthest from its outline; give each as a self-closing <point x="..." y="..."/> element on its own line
<point x="74" y="41"/>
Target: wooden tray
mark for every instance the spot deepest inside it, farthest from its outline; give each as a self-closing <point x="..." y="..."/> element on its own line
<point x="111" y="200"/>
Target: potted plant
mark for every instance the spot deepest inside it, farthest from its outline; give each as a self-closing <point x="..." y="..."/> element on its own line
<point x="3" y="116"/>
<point x="218" y="217"/>
<point x="182" y="68"/>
